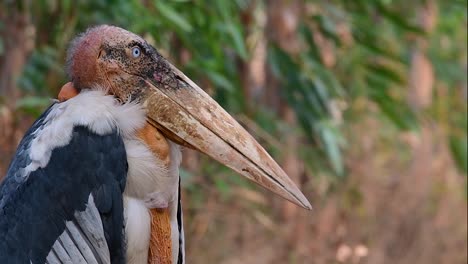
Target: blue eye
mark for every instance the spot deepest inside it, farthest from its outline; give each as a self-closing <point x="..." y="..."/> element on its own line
<point x="136" y="52"/>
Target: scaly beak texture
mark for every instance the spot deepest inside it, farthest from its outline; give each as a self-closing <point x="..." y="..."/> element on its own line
<point x="189" y="116"/>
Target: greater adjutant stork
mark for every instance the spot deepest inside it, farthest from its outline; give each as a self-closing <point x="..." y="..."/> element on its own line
<point x="96" y="180"/>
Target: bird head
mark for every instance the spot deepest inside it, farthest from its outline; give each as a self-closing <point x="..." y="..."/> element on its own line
<point x="131" y="69"/>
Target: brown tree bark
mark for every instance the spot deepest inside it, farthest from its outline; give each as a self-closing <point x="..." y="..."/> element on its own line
<point x="17" y="36"/>
<point x="421" y="72"/>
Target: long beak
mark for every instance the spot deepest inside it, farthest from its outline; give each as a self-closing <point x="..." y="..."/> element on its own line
<point x="190" y="117"/>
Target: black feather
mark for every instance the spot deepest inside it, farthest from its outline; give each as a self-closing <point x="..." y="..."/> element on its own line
<point x="180" y="257"/>
<point x="34" y="209"/>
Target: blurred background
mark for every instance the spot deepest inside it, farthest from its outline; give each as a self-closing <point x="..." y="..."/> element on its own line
<point x="363" y="103"/>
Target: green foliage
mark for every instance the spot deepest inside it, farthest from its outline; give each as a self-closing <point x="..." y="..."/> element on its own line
<point x="448" y="54"/>
<point x="458" y="145"/>
<point x="208" y="40"/>
<point x="376" y="64"/>
<point x="32" y="104"/>
<point x="308" y="89"/>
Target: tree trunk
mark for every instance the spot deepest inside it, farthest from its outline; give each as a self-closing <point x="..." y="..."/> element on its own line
<point x="282" y="22"/>
<point x="17" y="35"/>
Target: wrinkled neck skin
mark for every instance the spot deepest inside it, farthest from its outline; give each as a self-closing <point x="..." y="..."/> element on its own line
<point x="125" y="87"/>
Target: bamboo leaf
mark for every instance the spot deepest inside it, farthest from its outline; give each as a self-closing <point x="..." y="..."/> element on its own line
<point x="332" y="149"/>
<point x="220" y="81"/>
<point x="33" y="105"/>
<point x="238" y="40"/>
<point x="458" y="146"/>
<point x="170" y="14"/>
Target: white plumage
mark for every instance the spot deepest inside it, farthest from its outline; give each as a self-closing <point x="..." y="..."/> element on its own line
<point x="150" y="184"/>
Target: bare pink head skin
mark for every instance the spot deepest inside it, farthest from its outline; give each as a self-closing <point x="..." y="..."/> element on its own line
<point x="102" y="55"/>
<point x="131" y="69"/>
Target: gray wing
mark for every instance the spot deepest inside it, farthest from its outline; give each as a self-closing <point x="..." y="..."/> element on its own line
<point x="83" y="240"/>
<point x="70" y="210"/>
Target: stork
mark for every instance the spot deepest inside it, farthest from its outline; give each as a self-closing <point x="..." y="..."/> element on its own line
<point x="96" y="177"/>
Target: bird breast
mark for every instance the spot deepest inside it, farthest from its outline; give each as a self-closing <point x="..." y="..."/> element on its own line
<point x="153" y="167"/>
<point x="152" y="182"/>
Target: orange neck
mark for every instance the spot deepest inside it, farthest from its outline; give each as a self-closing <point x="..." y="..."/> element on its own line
<point x="160" y="249"/>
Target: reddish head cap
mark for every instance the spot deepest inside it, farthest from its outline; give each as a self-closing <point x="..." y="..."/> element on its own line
<point x="83" y="67"/>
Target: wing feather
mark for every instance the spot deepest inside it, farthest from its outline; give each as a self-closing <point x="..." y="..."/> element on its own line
<point x="72" y="250"/>
<point x="83" y="239"/>
<point x="52" y="258"/>
<point x="57" y="213"/>
<point x="82" y="243"/>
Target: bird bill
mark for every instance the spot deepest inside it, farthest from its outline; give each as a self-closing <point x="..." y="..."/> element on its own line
<point x="187" y="115"/>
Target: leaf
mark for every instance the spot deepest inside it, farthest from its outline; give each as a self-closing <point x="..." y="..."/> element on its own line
<point x="170" y="14"/>
<point x="458" y="146"/>
<point x="329" y="138"/>
<point x="306" y="34"/>
<point x="398" y="19"/>
<point x="371" y="44"/>
<point x="321" y="91"/>
<point x="33" y="105"/>
<point x="327" y="27"/>
<point x="238" y="40"/>
<point x="387" y="73"/>
<point x="220" y="81"/>
<point x="398" y="113"/>
<point x="222" y="186"/>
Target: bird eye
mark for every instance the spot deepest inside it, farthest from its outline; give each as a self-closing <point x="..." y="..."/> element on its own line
<point x="136" y="52"/>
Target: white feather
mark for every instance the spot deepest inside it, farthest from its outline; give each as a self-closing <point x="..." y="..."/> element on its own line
<point x="138" y="230"/>
<point x="146" y="173"/>
<point x="94" y="109"/>
<point x="175" y="160"/>
<point x="148" y="179"/>
<point x="83" y="240"/>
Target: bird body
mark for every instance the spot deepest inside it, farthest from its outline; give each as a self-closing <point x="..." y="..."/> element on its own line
<point x="66" y="176"/>
<point x="149" y="181"/>
<point x="96" y="177"/>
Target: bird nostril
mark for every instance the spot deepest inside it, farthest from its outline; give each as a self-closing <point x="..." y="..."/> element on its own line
<point x="157" y="77"/>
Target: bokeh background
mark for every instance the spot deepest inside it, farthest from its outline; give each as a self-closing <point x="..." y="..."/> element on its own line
<point x="363" y="103"/>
